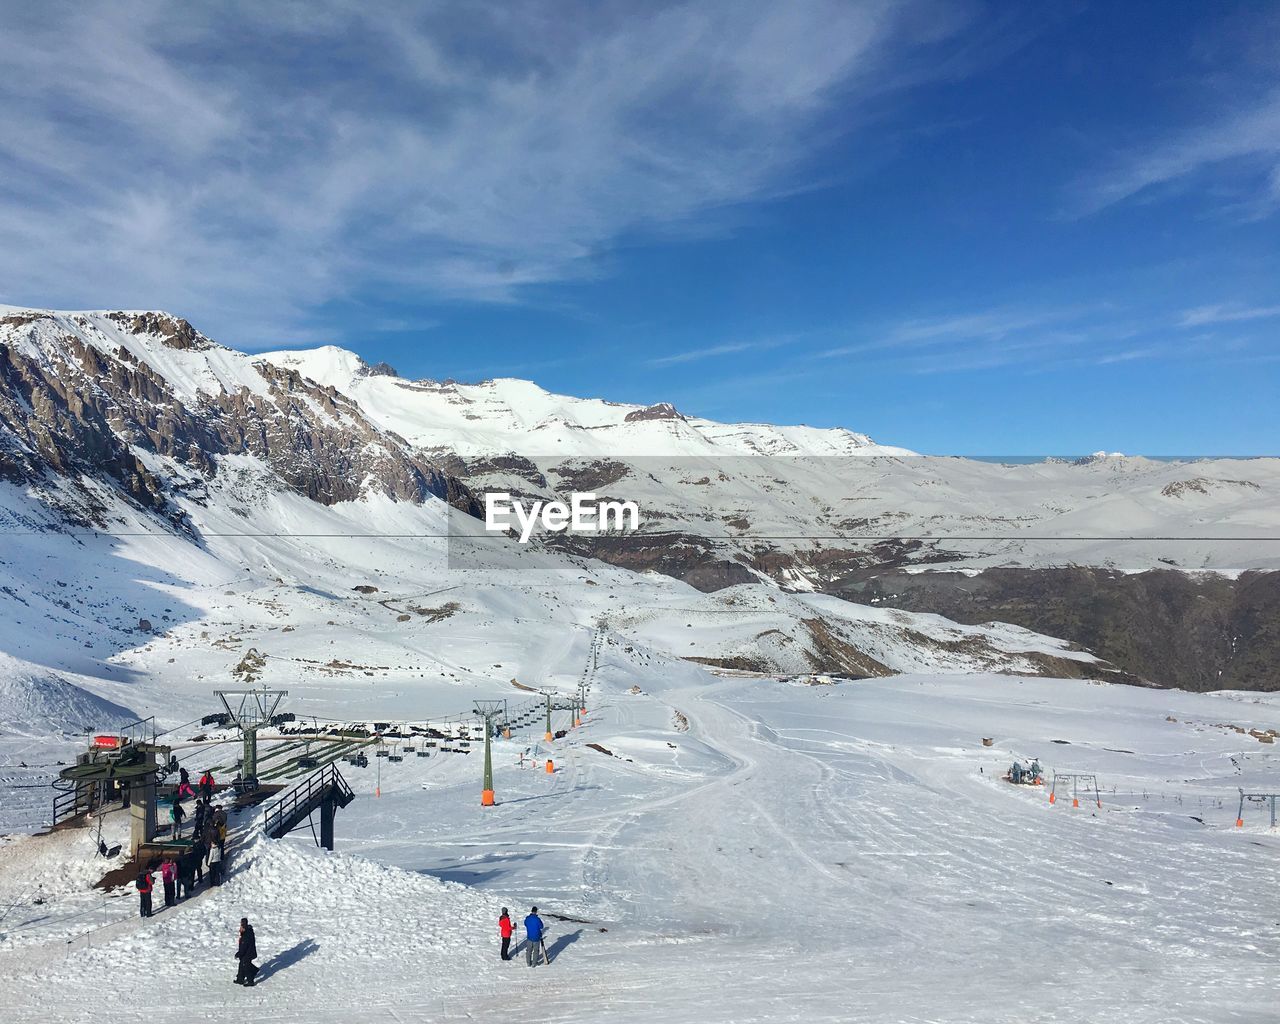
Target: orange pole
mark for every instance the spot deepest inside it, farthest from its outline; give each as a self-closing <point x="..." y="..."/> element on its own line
<point x="1053" y="798"/>
<point x="1239" y="822"/>
<point x="486" y="798"/>
<point x="551" y="767"/>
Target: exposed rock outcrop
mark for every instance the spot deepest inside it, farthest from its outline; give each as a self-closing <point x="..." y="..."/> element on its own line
<point x="73" y="403"/>
<point x="1167" y="628"/>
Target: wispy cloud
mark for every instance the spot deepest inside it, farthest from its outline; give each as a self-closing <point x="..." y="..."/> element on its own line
<point x="246" y="163"/>
<point x="1041" y="339"/>
<point x="1204" y="315"/>
<point x="712" y="351"/>
<point x="970" y="339"/>
<point x="1242" y="145"/>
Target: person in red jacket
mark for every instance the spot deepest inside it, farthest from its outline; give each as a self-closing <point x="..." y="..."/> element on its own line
<point x="144" y="892"/>
<point x="505" y="929"/>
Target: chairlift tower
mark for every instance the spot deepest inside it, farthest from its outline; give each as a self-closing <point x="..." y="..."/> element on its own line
<point x="549" y="737"/>
<point x="490" y="711"/>
<point x="1257" y="798"/>
<point x="131" y="759"/>
<point x="251" y="710"/>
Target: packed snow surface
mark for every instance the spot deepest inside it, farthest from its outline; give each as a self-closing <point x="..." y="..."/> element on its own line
<point x="739" y="850"/>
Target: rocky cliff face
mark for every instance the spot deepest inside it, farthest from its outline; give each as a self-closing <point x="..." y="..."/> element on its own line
<point x="1197" y="632"/>
<point x="86" y="395"/>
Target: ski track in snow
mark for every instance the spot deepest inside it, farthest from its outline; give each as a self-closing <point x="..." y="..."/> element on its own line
<point x="804" y="854"/>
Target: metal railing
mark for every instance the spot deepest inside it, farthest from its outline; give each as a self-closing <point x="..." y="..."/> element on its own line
<point x="304" y="799"/>
<point x="82" y="799"/>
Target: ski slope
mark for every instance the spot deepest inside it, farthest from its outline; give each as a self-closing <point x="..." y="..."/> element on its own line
<point x="797" y="853"/>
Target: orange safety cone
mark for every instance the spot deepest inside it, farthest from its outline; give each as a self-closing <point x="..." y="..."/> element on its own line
<point x="486" y="798"/>
<point x="551" y="767"/>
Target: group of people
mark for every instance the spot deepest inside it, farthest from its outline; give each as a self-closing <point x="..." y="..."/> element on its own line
<point x="535" y="931"/>
<point x="180" y="875"/>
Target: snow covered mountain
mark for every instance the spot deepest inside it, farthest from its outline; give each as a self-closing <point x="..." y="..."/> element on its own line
<point x="1182" y="554"/>
<point x="169" y="504"/>
<point x="177" y="517"/>
<point x="298" y="465"/>
<point x="509" y="416"/>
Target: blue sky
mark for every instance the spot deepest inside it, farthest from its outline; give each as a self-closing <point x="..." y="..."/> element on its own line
<point x="963" y="228"/>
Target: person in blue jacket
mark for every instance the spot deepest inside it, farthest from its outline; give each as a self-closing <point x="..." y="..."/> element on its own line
<point x="534" y="930"/>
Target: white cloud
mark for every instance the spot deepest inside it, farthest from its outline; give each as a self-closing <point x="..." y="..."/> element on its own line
<point x="713" y="351"/>
<point x="1243" y="144"/>
<point x="1204" y="315"/>
<point x="243" y="163"/>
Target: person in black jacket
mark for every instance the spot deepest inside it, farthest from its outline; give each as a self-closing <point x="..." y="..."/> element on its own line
<point x="246" y="953"/>
<point x="186" y="875"/>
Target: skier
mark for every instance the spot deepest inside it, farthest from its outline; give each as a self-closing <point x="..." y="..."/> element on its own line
<point x="177" y="814"/>
<point x="144" y="892"/>
<point x="206" y="785"/>
<point x="246" y="953"/>
<point x="184" y="785"/>
<point x="534" y="930"/>
<point x="505" y="928"/>
<point x="215" y="865"/>
<point x="169" y="876"/>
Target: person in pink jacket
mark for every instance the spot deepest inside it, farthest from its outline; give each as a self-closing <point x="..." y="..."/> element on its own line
<point x="169" y="875"/>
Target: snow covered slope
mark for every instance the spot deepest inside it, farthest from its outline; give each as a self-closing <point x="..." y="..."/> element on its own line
<point x="729" y="483"/>
<point x="727" y="850"/>
<point x="141" y="407"/>
<point x="516" y="416"/>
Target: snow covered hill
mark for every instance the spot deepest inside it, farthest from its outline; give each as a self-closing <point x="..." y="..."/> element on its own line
<point x="509" y="416"/>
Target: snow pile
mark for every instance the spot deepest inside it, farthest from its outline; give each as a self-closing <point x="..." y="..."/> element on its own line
<point x="331" y="930"/>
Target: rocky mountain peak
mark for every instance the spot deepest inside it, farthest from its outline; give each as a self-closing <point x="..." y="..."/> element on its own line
<point x="660" y="411"/>
<point x="172" y="331"/>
